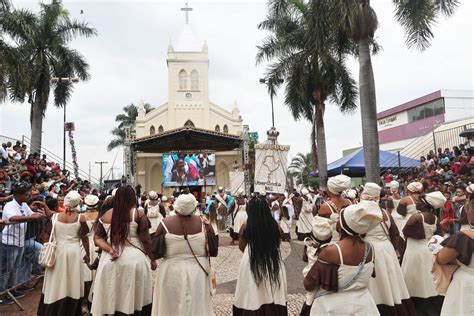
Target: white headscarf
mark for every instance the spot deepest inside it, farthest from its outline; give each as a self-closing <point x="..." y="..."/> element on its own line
<point x="415" y="187"/>
<point x="360" y="218"/>
<point x="185" y="204"/>
<point x="436" y="199"/>
<point x="322" y="229"/>
<point x="339" y="183"/>
<point x="72" y="199"/>
<point x="371" y="191"/>
<point x="394" y="185"/>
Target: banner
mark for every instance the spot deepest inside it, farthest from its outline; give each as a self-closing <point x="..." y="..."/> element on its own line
<point x="237" y="181"/>
<point x="270" y="167"/>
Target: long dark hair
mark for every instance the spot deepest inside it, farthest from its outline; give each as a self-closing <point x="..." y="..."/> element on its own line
<point x="263" y="238"/>
<point x="124" y="201"/>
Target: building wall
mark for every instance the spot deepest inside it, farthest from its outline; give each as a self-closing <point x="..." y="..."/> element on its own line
<point x="458" y="108"/>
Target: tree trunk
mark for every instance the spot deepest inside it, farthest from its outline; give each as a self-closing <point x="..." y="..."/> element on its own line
<point x="368" y="113"/>
<point x="321" y="145"/>
<point x="36" y="125"/>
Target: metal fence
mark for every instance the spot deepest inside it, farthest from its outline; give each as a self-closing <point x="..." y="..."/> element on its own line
<point x="19" y="250"/>
<point x="450" y="138"/>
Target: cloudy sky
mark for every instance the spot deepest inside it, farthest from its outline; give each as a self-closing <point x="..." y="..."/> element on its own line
<point x="128" y="64"/>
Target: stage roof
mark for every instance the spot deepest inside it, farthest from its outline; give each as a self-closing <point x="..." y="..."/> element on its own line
<point x="187" y="139"/>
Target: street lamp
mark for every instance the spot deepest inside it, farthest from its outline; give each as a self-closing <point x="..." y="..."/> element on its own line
<point x="270" y="82"/>
<point x="56" y="80"/>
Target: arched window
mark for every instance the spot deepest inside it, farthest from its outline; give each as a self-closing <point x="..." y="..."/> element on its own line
<point x="183" y="80"/>
<point x="194" y="80"/>
<point x="226" y="129"/>
<point x="161" y="129"/>
<point x="189" y="123"/>
<point x="218" y="128"/>
<point x="152" y="130"/>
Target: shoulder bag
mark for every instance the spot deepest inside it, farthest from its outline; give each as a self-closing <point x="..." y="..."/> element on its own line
<point x="47" y="255"/>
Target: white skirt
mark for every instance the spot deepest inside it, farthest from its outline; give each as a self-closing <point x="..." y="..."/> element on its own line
<point x="416" y="268"/>
<point x="250" y="296"/>
<point x="305" y="223"/>
<point x="388" y="287"/>
<point x="240" y="218"/>
<point x="459" y="298"/>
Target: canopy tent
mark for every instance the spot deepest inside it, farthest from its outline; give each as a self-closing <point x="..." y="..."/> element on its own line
<point x="353" y="164"/>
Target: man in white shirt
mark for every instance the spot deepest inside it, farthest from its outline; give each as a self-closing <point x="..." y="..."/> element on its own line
<point x="15" y="215"/>
<point x="3" y="155"/>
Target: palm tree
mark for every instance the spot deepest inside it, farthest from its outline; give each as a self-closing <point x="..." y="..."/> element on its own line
<point x="304" y="50"/>
<point x="42" y="42"/>
<point x="300" y="167"/>
<point x="127" y="122"/>
<point x="358" y="20"/>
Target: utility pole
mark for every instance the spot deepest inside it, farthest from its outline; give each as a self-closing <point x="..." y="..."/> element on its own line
<point x="101" y="163"/>
<point x="57" y="80"/>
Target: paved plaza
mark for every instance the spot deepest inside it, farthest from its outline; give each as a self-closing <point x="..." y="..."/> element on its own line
<point x="226" y="265"/>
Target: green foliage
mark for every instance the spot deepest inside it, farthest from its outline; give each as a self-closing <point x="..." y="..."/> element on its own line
<point x="126" y="121"/>
<point x="300" y="168"/>
<point x="36" y="50"/>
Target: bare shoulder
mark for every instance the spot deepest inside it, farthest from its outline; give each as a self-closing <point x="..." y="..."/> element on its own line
<point x="324" y="211"/>
<point x="330" y="254"/>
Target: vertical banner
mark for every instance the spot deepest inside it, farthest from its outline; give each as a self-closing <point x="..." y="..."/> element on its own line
<point x="237" y="181"/>
<point x="270" y="167"/>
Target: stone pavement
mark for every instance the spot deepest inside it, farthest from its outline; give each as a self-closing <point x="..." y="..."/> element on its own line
<point x="226" y="266"/>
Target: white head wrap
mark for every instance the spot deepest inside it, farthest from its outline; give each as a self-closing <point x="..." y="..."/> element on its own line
<point x="275" y="203"/>
<point x="164" y="198"/>
<point x="185" y="204"/>
<point x="153" y="195"/>
<point x="372" y="190"/>
<point x="239" y="192"/>
<point x="436" y="199"/>
<point x="304" y="191"/>
<point x="322" y="229"/>
<point x="91" y="200"/>
<point x="470" y="188"/>
<point x="360" y="218"/>
<point x="394" y="185"/>
<point x="114" y="191"/>
<point x="72" y="199"/>
<point x="350" y="194"/>
<point x="415" y="187"/>
<point x="338" y="184"/>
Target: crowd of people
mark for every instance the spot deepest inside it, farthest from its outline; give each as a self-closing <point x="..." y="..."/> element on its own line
<point x="403" y="246"/>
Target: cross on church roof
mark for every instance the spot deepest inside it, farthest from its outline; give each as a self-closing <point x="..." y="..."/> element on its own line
<point x="186" y="9"/>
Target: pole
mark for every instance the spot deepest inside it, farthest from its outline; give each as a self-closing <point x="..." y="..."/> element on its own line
<point x="89" y="171"/>
<point x="101" y="163"/>
<point x="399" y="159"/>
<point x="273" y="113"/>
<point x="64" y="138"/>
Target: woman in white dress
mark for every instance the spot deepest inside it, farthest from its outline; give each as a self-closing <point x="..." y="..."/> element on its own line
<point x="320" y="237"/>
<point x="185" y="242"/>
<point x="63" y="285"/>
<point x="407" y="206"/>
<point x="91" y="202"/>
<point x="123" y="282"/>
<point x="460" y="248"/>
<point x="333" y="206"/>
<point x="341" y="274"/>
<point x="155" y="211"/>
<point x="418" y="260"/>
<point x="388" y="288"/>
<point x="305" y="219"/>
<point x="239" y="214"/>
<point x="261" y="285"/>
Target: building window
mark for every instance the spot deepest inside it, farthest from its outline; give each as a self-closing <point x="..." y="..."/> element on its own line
<point x="226" y="129"/>
<point x="161" y="129"/>
<point x="183" y="80"/>
<point x="189" y="123"/>
<point x="194" y="80"/>
<point x="426" y="110"/>
<point x="218" y="128"/>
<point x="152" y="130"/>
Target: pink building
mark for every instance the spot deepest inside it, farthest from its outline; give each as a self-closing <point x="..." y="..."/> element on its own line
<point x="402" y="124"/>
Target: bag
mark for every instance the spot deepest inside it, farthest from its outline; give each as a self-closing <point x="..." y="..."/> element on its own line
<point x="47" y="255"/>
<point x="442" y="275"/>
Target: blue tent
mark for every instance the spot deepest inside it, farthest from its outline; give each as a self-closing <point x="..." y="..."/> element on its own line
<point x="353" y="164"/>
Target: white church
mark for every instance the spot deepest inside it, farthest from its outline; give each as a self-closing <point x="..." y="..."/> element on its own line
<point x="187" y="112"/>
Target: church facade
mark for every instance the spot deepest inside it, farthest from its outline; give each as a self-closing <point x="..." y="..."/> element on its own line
<point x="188" y="105"/>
